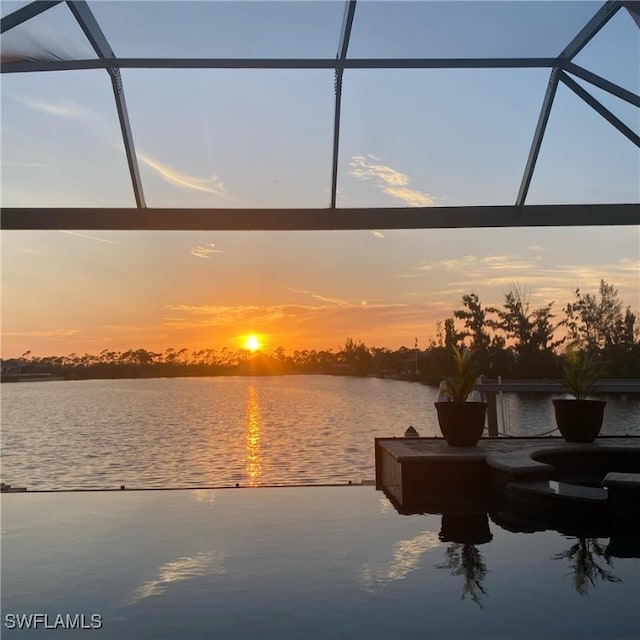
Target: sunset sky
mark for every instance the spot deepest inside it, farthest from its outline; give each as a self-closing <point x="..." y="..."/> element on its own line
<point x="214" y="138"/>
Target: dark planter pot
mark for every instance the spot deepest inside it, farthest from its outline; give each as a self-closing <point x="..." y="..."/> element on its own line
<point x="461" y="423"/>
<point x="579" y="420"/>
<point x="465" y="528"/>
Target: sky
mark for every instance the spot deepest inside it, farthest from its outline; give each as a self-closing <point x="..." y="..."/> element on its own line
<point x="215" y="138"/>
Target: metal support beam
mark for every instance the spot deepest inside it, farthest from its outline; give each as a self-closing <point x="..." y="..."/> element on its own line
<point x="27" y="66"/>
<point x="551" y="215"/>
<point x="127" y="138"/>
<point x="91" y="28"/>
<point x="100" y="44"/>
<point x="347" y="23"/>
<point x="536" y="143"/>
<point x="26" y="13"/>
<point x="603" y="15"/>
<point x="601" y="109"/>
<point x="603" y="84"/>
<point x="336" y="138"/>
<point x="633" y="7"/>
<point x="345" y="32"/>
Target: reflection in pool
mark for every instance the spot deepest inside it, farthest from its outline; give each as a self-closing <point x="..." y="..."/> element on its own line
<point x="590" y="561"/>
<point x="318" y="562"/>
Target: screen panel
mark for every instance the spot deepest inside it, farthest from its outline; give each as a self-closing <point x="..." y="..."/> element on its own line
<point x="221" y="138"/>
<point x="466" y="29"/>
<point x="61" y="142"/>
<point x="53" y="34"/>
<point x="221" y="29"/>
<point x="436" y="137"/>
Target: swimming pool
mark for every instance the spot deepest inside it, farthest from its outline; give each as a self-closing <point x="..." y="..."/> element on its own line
<point x="306" y="562"/>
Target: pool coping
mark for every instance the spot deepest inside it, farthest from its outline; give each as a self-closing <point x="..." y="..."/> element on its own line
<point x="414" y="471"/>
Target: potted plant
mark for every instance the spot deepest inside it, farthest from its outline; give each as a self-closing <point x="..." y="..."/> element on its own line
<point x="461" y="421"/>
<point x="579" y="419"/>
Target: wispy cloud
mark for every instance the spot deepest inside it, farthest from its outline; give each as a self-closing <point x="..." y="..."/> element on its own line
<point x="410" y="196"/>
<point x="172" y="176"/>
<point x="45" y="333"/>
<point x="195" y="316"/>
<point x="29" y="251"/>
<point x="205" y="250"/>
<point x="322" y="298"/>
<point x="347" y="318"/>
<point x="473" y="265"/>
<point x="546" y="282"/>
<point x="211" y="316"/>
<point x="26" y="165"/>
<point x="128" y="328"/>
<point x="363" y="169"/>
<point x="505" y="263"/>
<point x="61" y="109"/>
<point x="510" y="266"/>
<point x="629" y="264"/>
<point x="388" y="180"/>
<point x="88" y="237"/>
<point x="206" y="309"/>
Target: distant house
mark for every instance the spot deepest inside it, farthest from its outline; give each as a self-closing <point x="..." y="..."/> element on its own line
<point x="12" y="366"/>
<point x="21" y="370"/>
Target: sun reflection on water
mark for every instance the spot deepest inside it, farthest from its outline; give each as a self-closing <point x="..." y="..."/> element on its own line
<point x="254" y="423"/>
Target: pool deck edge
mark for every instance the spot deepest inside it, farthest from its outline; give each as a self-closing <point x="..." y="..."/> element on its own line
<point x="414" y="472"/>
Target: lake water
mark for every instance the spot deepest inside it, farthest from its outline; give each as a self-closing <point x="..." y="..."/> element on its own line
<point x="198" y="432"/>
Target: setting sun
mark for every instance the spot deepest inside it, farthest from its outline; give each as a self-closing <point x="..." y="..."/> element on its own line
<point x="252" y="343"/>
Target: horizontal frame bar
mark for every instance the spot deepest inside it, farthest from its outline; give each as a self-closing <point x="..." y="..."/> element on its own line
<point x="27" y="66"/>
<point x="545" y="215"/>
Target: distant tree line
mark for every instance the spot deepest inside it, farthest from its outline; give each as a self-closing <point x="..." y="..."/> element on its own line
<point x="514" y="341"/>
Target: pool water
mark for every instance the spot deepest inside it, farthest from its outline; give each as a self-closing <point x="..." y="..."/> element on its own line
<point x="306" y="562"/>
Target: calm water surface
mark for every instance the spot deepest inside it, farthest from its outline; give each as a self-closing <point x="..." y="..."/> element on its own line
<point x="187" y="432"/>
<point x="312" y="563"/>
